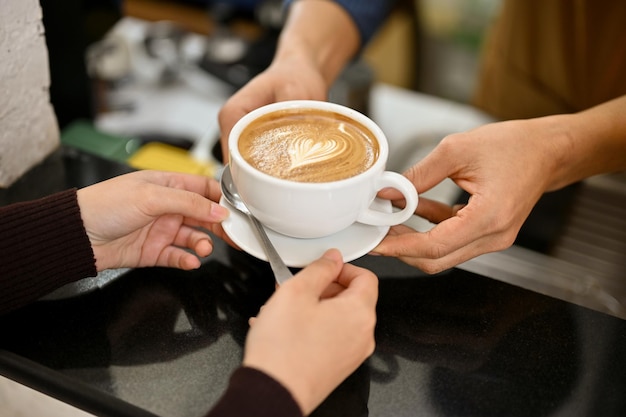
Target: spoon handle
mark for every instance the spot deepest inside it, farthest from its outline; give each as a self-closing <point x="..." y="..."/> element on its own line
<point x="281" y="272"/>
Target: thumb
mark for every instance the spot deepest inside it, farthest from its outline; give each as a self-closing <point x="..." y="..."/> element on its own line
<point x="320" y="273"/>
<point x="432" y="169"/>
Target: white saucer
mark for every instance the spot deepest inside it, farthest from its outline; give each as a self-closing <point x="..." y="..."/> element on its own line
<point x="353" y="242"/>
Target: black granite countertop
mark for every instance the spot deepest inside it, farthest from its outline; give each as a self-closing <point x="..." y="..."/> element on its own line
<point x="162" y="342"/>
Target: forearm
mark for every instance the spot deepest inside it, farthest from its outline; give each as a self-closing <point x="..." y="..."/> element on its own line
<point x="593" y="142"/>
<point x="320" y="33"/>
<point x="43" y="246"/>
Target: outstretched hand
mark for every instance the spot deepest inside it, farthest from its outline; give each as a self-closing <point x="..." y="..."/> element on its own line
<point x="505" y="167"/>
<point x="151" y="218"/>
<point x="316" y="329"/>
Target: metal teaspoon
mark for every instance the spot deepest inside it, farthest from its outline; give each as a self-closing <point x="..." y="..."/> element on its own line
<point x="229" y="190"/>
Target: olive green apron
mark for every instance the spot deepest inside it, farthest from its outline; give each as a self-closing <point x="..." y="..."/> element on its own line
<point x="546" y="57"/>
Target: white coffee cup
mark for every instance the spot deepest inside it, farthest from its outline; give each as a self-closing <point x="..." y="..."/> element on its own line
<point x="318" y="209"/>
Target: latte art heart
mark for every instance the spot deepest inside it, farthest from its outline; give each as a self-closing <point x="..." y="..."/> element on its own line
<point x="308" y="145"/>
<point x="303" y="151"/>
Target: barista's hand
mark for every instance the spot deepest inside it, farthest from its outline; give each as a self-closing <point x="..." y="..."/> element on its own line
<point x="505" y="167"/>
<point x="151" y="218"/>
<point x="308" y="59"/>
<point x="316" y="329"/>
<point x="293" y="78"/>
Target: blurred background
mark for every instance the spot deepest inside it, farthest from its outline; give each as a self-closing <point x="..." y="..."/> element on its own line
<point x="133" y="78"/>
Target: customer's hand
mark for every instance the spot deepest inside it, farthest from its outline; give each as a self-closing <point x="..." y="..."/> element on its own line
<point x="316" y="329"/>
<point x="505" y="167"/>
<point x="151" y="218"/>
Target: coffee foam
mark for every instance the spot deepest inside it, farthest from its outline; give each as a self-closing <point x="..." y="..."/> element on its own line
<point x="308" y="145"/>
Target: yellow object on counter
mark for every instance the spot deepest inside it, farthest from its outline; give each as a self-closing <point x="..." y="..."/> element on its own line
<point x="161" y="156"/>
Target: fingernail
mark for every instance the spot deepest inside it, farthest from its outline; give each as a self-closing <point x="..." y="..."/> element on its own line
<point x="219" y="212"/>
<point x="333" y="254"/>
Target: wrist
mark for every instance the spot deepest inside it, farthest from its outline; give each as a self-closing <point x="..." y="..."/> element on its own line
<point x="311" y="35"/>
<point x="83" y="203"/>
<point x="561" y="149"/>
<point x="589" y="143"/>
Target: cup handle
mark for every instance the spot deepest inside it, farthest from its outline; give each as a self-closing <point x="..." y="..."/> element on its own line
<point x="390" y="179"/>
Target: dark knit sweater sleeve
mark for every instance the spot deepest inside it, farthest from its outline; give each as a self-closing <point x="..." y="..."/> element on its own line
<point x="43" y="245"/>
<point x="254" y="393"/>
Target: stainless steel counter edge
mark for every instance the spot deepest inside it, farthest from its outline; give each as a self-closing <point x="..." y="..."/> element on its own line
<point x="549" y="276"/>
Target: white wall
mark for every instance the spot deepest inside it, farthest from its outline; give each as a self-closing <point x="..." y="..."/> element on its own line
<point x="28" y="127"/>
